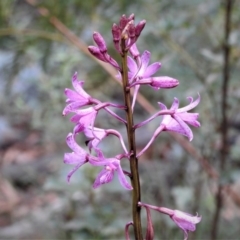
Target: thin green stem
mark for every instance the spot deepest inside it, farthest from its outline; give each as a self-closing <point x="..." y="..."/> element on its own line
<point x="136" y="195"/>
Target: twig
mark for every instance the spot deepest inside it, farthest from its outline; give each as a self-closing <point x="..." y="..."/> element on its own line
<point x="224" y="124"/>
<point x="31" y="32"/>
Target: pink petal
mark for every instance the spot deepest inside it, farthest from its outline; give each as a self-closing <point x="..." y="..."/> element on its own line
<point x="78" y="85"/>
<point x="73" y="158"/>
<point x="136" y="89"/>
<point x="73" y="145"/>
<point x="72" y="95"/>
<point x="101" y="156"/>
<point x="88" y="120"/>
<point x="94" y="143"/>
<point x="122" y="179"/>
<point x="78" y="129"/>
<point x="75" y="118"/>
<point x="185" y="221"/>
<point x="134" y="51"/>
<point x="175" y="104"/>
<point x="152" y="69"/>
<point x="173" y="126"/>
<point x="72" y="107"/>
<point x="191" y="105"/>
<point x="73" y="171"/>
<point x="185" y="127"/>
<point x="85" y="117"/>
<point x="190" y="118"/>
<point x="86" y="111"/>
<point x="145" y="60"/>
<point x="162" y="106"/>
<point x="98" y="132"/>
<point x="168" y="120"/>
<point x="132" y="65"/>
<point x="100" y="161"/>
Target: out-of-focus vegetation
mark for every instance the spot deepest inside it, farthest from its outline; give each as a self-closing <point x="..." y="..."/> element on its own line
<point x="37" y="59"/>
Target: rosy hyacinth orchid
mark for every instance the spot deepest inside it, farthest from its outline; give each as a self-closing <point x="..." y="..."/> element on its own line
<point x="175" y="121"/>
<point x="185" y="221"/>
<point x="86" y="117"/>
<point x="111" y="165"/>
<point x="140" y="69"/>
<point x="178" y="121"/>
<point x="78" y="98"/>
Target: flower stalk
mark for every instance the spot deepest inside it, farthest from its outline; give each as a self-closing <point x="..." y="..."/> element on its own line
<point x="136" y="195"/>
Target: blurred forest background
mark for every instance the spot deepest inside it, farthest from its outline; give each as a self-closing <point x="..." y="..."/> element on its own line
<point x="42" y="43"/>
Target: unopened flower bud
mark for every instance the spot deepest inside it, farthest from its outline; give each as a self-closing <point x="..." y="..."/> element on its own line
<point x="123" y="21"/>
<point x="157" y="82"/>
<point x="139" y="27"/>
<point x="95" y="51"/>
<point x="131" y="31"/>
<point x="99" y="40"/>
<point x="131" y="17"/>
<point x="116" y="33"/>
<point x="164" y="82"/>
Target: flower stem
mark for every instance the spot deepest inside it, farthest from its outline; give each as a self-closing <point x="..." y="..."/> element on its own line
<point x="136" y="195"/>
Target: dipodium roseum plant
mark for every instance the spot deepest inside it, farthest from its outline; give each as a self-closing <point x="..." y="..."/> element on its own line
<point x="134" y="72"/>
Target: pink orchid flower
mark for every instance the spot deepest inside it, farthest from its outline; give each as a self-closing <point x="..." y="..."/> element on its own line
<point x="111" y="165"/>
<point x="185" y="221"/>
<point x="77" y="98"/>
<point x="178" y="121"/>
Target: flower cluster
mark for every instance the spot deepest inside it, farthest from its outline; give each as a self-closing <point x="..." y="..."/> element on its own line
<point x="84" y="109"/>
